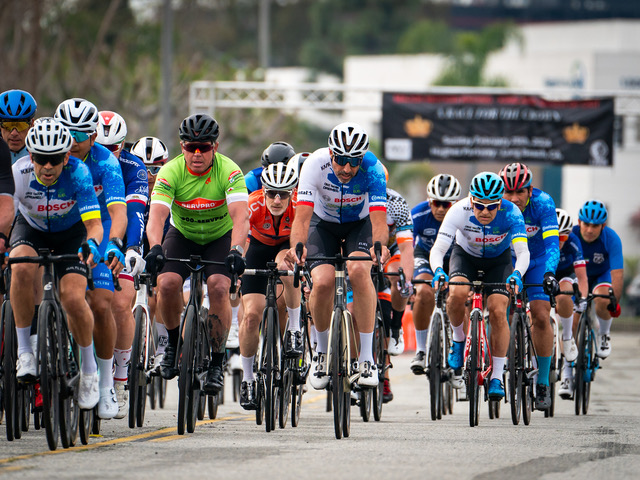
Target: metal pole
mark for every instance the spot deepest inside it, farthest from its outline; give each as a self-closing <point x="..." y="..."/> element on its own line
<point x="263" y="33"/>
<point x="168" y="130"/>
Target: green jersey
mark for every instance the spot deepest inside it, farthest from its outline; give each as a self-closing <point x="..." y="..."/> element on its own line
<point x="198" y="202"/>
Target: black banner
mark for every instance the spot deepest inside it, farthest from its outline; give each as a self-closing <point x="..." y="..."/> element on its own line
<point x="505" y="128"/>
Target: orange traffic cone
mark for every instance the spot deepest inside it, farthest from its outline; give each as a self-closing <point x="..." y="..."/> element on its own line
<point x="409" y="330"/>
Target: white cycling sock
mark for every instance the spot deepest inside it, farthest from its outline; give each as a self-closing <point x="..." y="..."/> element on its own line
<point x="497" y="369"/>
<point x="163" y="338"/>
<point x="458" y="333"/>
<point x="247" y="368"/>
<point x="88" y="360"/>
<point x="421" y="340"/>
<point x="313" y="335"/>
<point x="234" y="315"/>
<point x="294" y="319"/>
<point x="605" y="325"/>
<point x="24" y="340"/>
<point x="323" y="341"/>
<point x="105" y="369"/>
<point x="366" y="347"/>
<point x="121" y="359"/>
<point x="567" y="327"/>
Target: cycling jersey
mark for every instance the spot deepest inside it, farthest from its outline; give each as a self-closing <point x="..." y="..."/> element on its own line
<point x="484" y="241"/>
<point x="263" y="227"/>
<point x="425" y="226"/>
<point x="6" y="176"/>
<point x="602" y="255"/>
<point x="199" y="202"/>
<point x="337" y="202"/>
<point x="542" y="229"/>
<point x="134" y="174"/>
<point x="253" y="179"/>
<point x="15" y="156"/>
<point x="398" y="219"/>
<point x="107" y="179"/>
<point x="60" y="206"/>
<point x="571" y="254"/>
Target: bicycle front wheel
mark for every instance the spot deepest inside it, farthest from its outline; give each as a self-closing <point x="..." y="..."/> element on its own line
<point x="49" y="387"/>
<point x="9" y="381"/>
<point x="69" y="410"/>
<point x="380" y="354"/>
<point x="581" y="363"/>
<point x="187" y="370"/>
<point x="337" y="385"/>
<point x="474" y="370"/>
<point x="516" y="368"/>
<point x="435" y="368"/>
<point x="137" y="365"/>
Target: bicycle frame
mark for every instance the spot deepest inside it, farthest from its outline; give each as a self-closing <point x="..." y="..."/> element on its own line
<point x="477" y="308"/>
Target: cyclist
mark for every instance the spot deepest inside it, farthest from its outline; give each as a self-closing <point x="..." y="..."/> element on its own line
<point x="539" y="212"/>
<point x="272" y="210"/>
<point x="342" y="197"/>
<point x="17" y="111"/>
<point x="442" y="191"/>
<point x="205" y="193"/>
<point x="6" y="195"/>
<point x="602" y="250"/>
<point x="57" y="209"/>
<point x="111" y="134"/>
<point x="81" y="118"/>
<point x="571" y="269"/>
<point x="483" y="226"/>
<point x="277" y="152"/>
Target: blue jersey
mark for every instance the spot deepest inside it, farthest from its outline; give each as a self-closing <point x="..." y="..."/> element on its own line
<point x="134" y="174"/>
<point x="15" y="156"/>
<point x="570" y="254"/>
<point x="337" y="202"/>
<point x="425" y="226"/>
<point x="58" y="207"/>
<point x="602" y="255"/>
<point x="253" y="179"/>
<point x="542" y="230"/>
<point x="107" y="178"/>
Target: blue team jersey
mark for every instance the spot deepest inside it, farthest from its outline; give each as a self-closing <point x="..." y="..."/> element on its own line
<point x="253" y="179"/>
<point x="425" y="226"/>
<point x="542" y="230"/>
<point x="602" y="255"/>
<point x="107" y="178"/>
<point x="58" y="207"/>
<point x="571" y="253"/>
<point x="15" y="156"/>
<point x="134" y="174"/>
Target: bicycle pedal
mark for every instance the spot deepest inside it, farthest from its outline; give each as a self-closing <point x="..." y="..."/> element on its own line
<point x="532" y="374"/>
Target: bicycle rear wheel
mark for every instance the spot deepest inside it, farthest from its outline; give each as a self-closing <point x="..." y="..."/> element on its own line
<point x="380" y="357"/>
<point x="337" y="384"/>
<point x="288" y="364"/>
<point x="85" y="422"/>
<point x="48" y="349"/>
<point x="137" y="367"/>
<point x="435" y="368"/>
<point x="516" y="368"/>
<point x="474" y="370"/>
<point x="302" y="368"/>
<point x="528" y="387"/>
<point x="187" y="371"/>
<point x="9" y="381"/>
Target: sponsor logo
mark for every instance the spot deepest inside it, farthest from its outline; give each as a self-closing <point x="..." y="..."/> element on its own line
<point x="532" y="230"/>
<point x="55" y="207"/>
<point x="266" y="226"/>
<point x="348" y="200"/>
<point x="304" y="192"/>
<point x="491" y="238"/>
<point x="325" y="166"/>
<point x="142" y="175"/>
<point x="200" y="204"/>
<point x="164" y="181"/>
<point x="99" y="189"/>
<point x="234" y="176"/>
<point x="598" y="258"/>
<point x="202" y="220"/>
<point x="429" y="232"/>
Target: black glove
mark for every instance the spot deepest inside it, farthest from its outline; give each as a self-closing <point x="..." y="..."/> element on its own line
<point x="235" y="262"/>
<point x="550" y="284"/>
<point x="155" y="260"/>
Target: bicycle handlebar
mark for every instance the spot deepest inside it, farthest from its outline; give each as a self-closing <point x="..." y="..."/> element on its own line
<point x="196" y="263"/>
<point x="116" y="282"/>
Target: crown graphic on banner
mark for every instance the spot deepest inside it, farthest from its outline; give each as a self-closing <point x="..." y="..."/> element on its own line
<point x="418" y="127"/>
<point x="575" y="133"/>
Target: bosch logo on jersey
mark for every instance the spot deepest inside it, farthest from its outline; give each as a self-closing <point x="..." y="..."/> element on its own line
<point x="532" y="230"/>
<point x="357" y="199"/>
<point x="56" y="207"/>
<point x="491" y="238"/>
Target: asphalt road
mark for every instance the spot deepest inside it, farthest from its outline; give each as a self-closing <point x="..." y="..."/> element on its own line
<point x="405" y="444"/>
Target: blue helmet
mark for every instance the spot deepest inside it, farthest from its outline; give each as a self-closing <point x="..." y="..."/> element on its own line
<point x="593" y="212"/>
<point x="17" y="105"/>
<point x="486" y="186"/>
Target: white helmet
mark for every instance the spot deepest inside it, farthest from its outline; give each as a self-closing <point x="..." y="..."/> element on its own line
<point x="444" y="187"/>
<point x="112" y="129"/>
<point x="280" y="176"/>
<point x="151" y="150"/>
<point x="78" y="114"/>
<point x="565" y="223"/>
<point x="48" y="137"/>
<point x="349" y="140"/>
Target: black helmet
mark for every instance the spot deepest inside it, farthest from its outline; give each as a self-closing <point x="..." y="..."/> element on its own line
<point x="199" y="128"/>
<point x="277" y="152"/>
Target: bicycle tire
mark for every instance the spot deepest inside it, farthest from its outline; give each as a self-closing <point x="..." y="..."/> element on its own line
<point x="49" y="387"/>
<point x="552" y="385"/>
<point x="346" y="395"/>
<point x="85" y="422"/>
<point x="474" y="371"/>
<point x="187" y="357"/>
<point x="435" y="366"/>
<point x="270" y="362"/>
<point x="528" y="387"/>
<point x="516" y="368"/>
<point x="337" y="385"/>
<point x="380" y="354"/>
<point x="136" y="365"/>
<point x="302" y="368"/>
<point x="197" y="398"/>
<point x="69" y="410"/>
<point x="590" y="370"/>
<point x="237" y="381"/>
<point x="285" y="391"/>
<point x="9" y="381"/>
<point x="581" y="363"/>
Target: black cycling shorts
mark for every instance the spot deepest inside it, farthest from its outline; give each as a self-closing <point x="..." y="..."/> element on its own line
<point x="496" y="270"/>
<point x="325" y="238"/>
<point x="59" y="243"/>
<point x="176" y="245"/>
<point x="258" y="254"/>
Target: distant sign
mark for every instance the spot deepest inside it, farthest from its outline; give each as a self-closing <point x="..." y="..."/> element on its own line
<point x="508" y="128"/>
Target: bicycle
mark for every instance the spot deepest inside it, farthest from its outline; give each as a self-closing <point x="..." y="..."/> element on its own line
<point x="477" y="352"/>
<point x="303" y="364"/>
<point x="588" y="362"/>
<point x="340" y="367"/>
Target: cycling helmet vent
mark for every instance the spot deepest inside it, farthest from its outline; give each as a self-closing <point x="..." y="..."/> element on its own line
<point x="17" y="105"/>
<point x="593" y="212"/>
<point x="280" y="176"/>
<point x="349" y="140"/>
<point x="48" y="137"/>
<point x="516" y="176"/>
<point x="151" y="150"/>
<point x="199" y="128"/>
<point x="487" y="186"/>
<point x="78" y="114"/>
<point x="444" y="187"/>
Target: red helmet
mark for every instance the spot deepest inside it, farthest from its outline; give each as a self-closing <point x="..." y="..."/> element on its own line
<point x="516" y="176"/>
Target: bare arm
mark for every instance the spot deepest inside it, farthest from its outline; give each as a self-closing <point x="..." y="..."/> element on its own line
<point x="155" y="227"/>
<point x="299" y="234"/>
<point x="583" y="282"/>
<point x="379" y="227"/>
<point x="406" y="258"/>
<point x="617" y="281"/>
<point x="6" y="217"/>
<point x="239" y="212"/>
<point x="118" y="214"/>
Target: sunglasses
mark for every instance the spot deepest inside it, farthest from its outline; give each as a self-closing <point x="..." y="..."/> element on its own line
<point x="342" y="160"/>
<point x="197" y="147"/>
<point x="113" y="148"/>
<point x="154" y="169"/>
<point x="19" y="126"/>
<point x="563" y="238"/>
<point x="283" y="194"/>
<point x="440" y="204"/>
<point x="79" y="137"/>
<point x="489" y="206"/>
<point x="43" y="160"/>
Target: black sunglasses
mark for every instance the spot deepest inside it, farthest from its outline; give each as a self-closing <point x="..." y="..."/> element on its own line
<point x="283" y="194"/>
<point x="440" y="203"/>
<point x="343" y="160"/>
<point x="203" y="147"/>
<point x="53" y="160"/>
<point x="489" y="206"/>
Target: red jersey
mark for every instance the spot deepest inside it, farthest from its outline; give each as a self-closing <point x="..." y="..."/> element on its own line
<point x="261" y="220"/>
